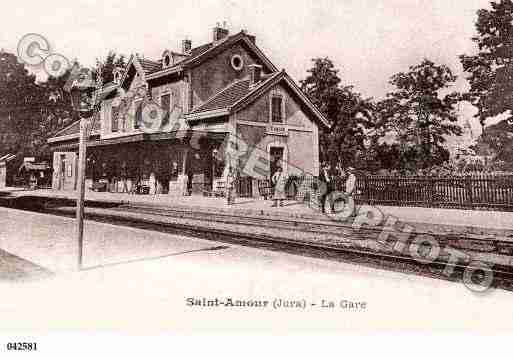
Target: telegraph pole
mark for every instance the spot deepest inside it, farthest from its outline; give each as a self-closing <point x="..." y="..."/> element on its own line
<point x="85" y="101"/>
<point x="84" y="131"/>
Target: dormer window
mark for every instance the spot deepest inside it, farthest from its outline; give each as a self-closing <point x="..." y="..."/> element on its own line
<point x="277" y="108"/>
<point x="117" y="74"/>
<point x="167" y="59"/>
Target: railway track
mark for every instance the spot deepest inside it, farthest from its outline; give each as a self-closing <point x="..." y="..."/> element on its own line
<point x="502" y="275"/>
<point x="308" y="226"/>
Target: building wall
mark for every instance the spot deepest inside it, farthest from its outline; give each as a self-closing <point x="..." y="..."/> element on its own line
<point x="67" y="181"/>
<point x="302" y="156"/>
<point x="260" y="110"/>
<point x="176" y="90"/>
<point x="256" y="134"/>
<point x="176" y="109"/>
<point x="217" y="73"/>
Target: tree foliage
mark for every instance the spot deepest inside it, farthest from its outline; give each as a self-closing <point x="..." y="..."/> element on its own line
<point x="491" y="69"/>
<point x="108" y="64"/>
<point x="349" y="114"/>
<point x="497" y="142"/>
<point x="415" y="119"/>
<point x="21" y="104"/>
<point x="31" y="112"/>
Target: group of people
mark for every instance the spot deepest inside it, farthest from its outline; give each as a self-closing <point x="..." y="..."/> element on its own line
<point x="326" y="176"/>
<point x="279" y="182"/>
<point x="329" y="176"/>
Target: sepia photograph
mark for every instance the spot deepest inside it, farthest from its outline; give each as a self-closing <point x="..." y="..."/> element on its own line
<point x="173" y="171"/>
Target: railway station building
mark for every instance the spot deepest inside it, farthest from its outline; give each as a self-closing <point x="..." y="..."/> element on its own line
<point x="176" y="125"/>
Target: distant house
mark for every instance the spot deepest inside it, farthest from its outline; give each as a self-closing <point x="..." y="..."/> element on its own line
<point x="176" y="124"/>
<point x="7" y="170"/>
<point x="35" y="174"/>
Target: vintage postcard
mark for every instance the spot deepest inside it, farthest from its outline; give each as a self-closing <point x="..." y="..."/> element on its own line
<point x="269" y="167"/>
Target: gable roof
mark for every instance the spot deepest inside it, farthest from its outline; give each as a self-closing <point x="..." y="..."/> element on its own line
<point x="240" y="94"/>
<point x="151" y="69"/>
<point x="196" y="51"/>
<point x="204" y="52"/>
<point x="137" y="63"/>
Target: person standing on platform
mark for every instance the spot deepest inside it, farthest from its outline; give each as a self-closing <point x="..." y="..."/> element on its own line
<point x="230" y="186"/>
<point x="279" y="181"/>
<point x="326" y="184"/>
<point x="124" y="177"/>
<point x="350" y="182"/>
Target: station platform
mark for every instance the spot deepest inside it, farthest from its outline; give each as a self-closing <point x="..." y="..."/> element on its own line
<point x="135" y="279"/>
<point x="434" y="220"/>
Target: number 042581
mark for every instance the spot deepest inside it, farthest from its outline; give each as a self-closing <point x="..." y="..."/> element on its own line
<point x="22" y="346"/>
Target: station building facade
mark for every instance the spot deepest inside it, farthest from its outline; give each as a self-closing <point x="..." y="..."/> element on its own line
<point x="177" y="124"/>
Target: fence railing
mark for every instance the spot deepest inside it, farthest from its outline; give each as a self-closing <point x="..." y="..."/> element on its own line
<point x="244" y="186"/>
<point x="472" y="191"/>
<point x="476" y="191"/>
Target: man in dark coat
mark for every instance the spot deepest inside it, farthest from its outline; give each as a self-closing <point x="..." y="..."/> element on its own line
<point x="326" y="182"/>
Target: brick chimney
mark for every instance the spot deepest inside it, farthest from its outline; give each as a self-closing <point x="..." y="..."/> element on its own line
<point x="255" y="73"/>
<point x="186" y="46"/>
<point x="219" y="32"/>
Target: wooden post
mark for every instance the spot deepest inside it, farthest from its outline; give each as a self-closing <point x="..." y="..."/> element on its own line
<point x="365" y="189"/>
<point x="468" y="187"/>
<point x="184" y="161"/>
<point x="432" y="181"/>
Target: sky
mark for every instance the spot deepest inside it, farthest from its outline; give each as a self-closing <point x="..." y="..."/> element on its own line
<point x="368" y="40"/>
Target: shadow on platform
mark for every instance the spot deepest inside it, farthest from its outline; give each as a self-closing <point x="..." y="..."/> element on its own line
<point x="100" y="266"/>
<point x="16" y="269"/>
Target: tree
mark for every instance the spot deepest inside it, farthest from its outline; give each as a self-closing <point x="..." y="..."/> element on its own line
<point x="348" y="113"/>
<point x="21" y="103"/>
<point x="111" y="61"/>
<point x="57" y="112"/>
<point x="497" y="143"/>
<point x="491" y="69"/>
<point x="414" y="120"/>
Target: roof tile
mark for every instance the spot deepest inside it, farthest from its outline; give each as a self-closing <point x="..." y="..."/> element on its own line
<point x="74" y="129"/>
<point x="150" y="66"/>
<point x="225" y="98"/>
<point x="232" y="94"/>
